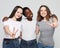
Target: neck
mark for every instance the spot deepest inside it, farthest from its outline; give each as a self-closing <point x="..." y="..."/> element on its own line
<point x="44" y="19"/>
<point x="14" y="18"/>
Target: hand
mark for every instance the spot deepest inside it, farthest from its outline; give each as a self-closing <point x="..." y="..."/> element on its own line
<point x="52" y="24"/>
<point x="14" y="33"/>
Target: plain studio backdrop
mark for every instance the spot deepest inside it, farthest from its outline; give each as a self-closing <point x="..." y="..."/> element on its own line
<point x="6" y="7"/>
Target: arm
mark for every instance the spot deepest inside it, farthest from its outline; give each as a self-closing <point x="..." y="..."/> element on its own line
<point x="20" y="35"/>
<point x="6" y="29"/>
<point x="55" y="22"/>
<point x="37" y="30"/>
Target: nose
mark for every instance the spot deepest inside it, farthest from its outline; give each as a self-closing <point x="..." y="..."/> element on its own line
<point x="31" y="15"/>
<point x="20" y="14"/>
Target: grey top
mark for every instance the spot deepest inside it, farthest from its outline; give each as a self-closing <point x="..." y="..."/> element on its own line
<point x="46" y="33"/>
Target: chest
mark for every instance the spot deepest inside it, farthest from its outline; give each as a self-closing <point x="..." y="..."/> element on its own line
<point x="14" y="25"/>
<point x="29" y="25"/>
<point x="44" y="26"/>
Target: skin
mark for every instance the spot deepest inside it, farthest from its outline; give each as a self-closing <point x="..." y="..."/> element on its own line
<point x="43" y="12"/>
<point x="29" y="14"/>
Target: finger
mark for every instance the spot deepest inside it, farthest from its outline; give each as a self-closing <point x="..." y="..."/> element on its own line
<point x="14" y="29"/>
<point x="13" y="36"/>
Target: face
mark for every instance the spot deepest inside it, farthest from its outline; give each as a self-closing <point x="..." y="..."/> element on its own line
<point x="18" y="13"/>
<point x="29" y="13"/>
<point x="43" y="12"/>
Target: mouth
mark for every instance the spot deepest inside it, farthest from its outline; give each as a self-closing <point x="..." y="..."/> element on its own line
<point x="19" y="16"/>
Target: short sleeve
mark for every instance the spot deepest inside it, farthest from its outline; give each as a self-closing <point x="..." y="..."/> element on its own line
<point x="5" y="23"/>
<point x="37" y="24"/>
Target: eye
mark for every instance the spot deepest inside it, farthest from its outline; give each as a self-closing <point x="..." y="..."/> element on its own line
<point x="18" y="12"/>
<point x="21" y="13"/>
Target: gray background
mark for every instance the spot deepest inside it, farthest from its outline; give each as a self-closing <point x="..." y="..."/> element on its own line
<point x="6" y="6"/>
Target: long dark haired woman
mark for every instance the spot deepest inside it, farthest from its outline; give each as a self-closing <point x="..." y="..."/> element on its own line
<point x="12" y="28"/>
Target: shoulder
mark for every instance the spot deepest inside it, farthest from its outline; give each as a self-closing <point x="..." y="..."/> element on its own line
<point x="7" y="20"/>
<point x="20" y="23"/>
<point x="33" y="20"/>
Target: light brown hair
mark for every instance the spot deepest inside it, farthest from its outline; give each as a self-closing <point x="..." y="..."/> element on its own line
<point x="39" y="17"/>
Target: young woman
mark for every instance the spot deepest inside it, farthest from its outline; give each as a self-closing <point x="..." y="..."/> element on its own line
<point x="28" y="30"/>
<point x="12" y="28"/>
<point x="46" y="24"/>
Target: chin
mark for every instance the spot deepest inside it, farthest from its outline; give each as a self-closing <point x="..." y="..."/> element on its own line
<point x="18" y="17"/>
<point x="43" y="16"/>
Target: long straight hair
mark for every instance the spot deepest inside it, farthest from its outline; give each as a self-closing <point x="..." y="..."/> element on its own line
<point x="14" y="11"/>
<point x="39" y="17"/>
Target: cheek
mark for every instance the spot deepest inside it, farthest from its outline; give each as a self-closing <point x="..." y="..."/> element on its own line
<point x="16" y="13"/>
<point x="45" y="12"/>
<point x="20" y="14"/>
<point x="29" y="14"/>
<point x="40" y="13"/>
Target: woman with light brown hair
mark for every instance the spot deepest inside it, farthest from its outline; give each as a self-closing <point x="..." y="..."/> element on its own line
<point x="46" y="24"/>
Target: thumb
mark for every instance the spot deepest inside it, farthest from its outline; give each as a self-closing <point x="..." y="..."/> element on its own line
<point x="16" y="31"/>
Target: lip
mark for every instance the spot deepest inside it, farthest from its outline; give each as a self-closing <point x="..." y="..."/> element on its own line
<point x="19" y="16"/>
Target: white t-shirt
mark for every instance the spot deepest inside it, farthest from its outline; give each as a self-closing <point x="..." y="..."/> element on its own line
<point x="12" y="24"/>
<point x="28" y="30"/>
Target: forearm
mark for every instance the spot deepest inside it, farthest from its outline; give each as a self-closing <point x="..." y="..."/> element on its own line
<point x="6" y="29"/>
<point x="37" y="30"/>
<point x="21" y="35"/>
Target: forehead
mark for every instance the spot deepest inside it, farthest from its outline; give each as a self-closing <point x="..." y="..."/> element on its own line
<point x="27" y="10"/>
<point x="43" y="8"/>
<point x="19" y="10"/>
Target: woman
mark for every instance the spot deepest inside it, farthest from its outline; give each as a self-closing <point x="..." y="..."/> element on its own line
<point x="28" y="33"/>
<point x="12" y="28"/>
<point x="46" y="24"/>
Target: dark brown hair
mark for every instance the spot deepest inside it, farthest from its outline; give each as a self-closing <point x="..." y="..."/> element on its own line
<point x="39" y="17"/>
<point x="24" y="11"/>
<point x="5" y="18"/>
<point x="14" y="11"/>
<point x="54" y="16"/>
